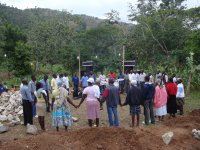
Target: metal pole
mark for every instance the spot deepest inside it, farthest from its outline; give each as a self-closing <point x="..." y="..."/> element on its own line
<point x="79" y="63"/>
<point x="123" y="57"/>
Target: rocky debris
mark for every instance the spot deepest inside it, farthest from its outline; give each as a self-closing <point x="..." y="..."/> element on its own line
<point x="3" y="129"/>
<point x="31" y="129"/>
<point x="10" y="106"/>
<point x="196" y="134"/>
<point x="167" y="137"/>
<point x="13" y="123"/>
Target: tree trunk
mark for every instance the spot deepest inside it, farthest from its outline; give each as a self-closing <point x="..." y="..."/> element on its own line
<point x="189" y="83"/>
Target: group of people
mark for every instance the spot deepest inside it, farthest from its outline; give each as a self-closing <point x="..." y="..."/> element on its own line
<point x="159" y="97"/>
<point x="39" y="98"/>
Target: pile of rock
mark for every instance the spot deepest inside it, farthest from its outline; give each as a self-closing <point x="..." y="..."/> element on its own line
<point x="10" y="107"/>
<point x="196" y="134"/>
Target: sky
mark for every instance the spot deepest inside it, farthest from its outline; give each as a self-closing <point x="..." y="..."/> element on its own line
<point x="96" y="8"/>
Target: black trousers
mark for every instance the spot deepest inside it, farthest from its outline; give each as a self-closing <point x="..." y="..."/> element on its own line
<point x="47" y="104"/>
<point x="27" y="112"/>
<point x="75" y="94"/>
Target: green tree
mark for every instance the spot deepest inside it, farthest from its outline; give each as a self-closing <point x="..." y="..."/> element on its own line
<point x="22" y="59"/>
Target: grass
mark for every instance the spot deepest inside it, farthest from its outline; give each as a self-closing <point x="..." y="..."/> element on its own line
<point x="192" y="101"/>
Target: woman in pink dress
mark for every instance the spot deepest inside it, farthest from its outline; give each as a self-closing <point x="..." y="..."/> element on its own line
<point x="91" y="93"/>
<point x="160" y="100"/>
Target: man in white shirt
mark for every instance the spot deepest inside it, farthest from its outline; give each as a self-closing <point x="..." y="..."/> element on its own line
<point x="142" y="76"/>
<point x="180" y="96"/>
<point x="66" y="81"/>
<point x="130" y="75"/>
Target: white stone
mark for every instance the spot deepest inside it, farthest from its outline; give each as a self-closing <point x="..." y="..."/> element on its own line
<point x="194" y="131"/>
<point x="3" y="118"/>
<point x="167" y="137"/>
<point x="20" y="112"/>
<point x="10" y="117"/>
<point x="3" y="129"/>
<point x="31" y="129"/>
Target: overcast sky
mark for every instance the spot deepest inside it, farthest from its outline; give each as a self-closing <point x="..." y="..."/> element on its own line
<point x="96" y="8"/>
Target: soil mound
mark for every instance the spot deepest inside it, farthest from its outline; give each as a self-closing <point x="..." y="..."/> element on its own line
<point x="106" y="139"/>
<point x="195" y="112"/>
<point x="142" y="138"/>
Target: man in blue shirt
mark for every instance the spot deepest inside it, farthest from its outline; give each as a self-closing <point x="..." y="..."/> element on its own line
<point x="27" y="101"/>
<point x="75" y="80"/>
<point x="46" y="87"/>
<point x="148" y="95"/>
<point x="84" y="82"/>
<point x="32" y="88"/>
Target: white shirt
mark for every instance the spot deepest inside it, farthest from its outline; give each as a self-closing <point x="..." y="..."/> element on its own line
<point x="66" y="82"/>
<point x="142" y="76"/>
<point x="134" y="76"/>
<point x="102" y="79"/>
<point x="180" y="91"/>
<point x="130" y="77"/>
<point x="174" y="79"/>
<point x="137" y="77"/>
<point x="151" y="79"/>
<point x="166" y="78"/>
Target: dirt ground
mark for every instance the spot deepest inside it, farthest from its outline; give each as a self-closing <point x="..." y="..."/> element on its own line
<point x="81" y="137"/>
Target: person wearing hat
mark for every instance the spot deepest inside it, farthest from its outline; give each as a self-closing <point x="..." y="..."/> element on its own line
<point x="133" y="99"/>
<point x="27" y="102"/>
<point x="61" y="115"/>
<point x="91" y="94"/>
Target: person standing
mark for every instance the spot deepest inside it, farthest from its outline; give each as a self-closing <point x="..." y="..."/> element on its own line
<point x="61" y="115"/>
<point x="46" y="87"/>
<point x="66" y="81"/>
<point x="112" y="97"/>
<point x="32" y="88"/>
<point x="84" y="82"/>
<point x="92" y="102"/>
<point x="133" y="99"/>
<point x="102" y="80"/>
<point x="148" y="94"/>
<point x="41" y="104"/>
<point x="75" y="80"/>
<point x="54" y="86"/>
<point x="180" y="95"/>
<point x="126" y="78"/>
<point x="121" y="82"/>
<point x="27" y="102"/>
<point x="171" y="100"/>
<point x="160" y="100"/>
<point x="92" y="75"/>
<point x="142" y="77"/>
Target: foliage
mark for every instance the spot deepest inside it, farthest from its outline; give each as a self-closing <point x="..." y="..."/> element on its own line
<point x="21" y="60"/>
<point x="162" y="35"/>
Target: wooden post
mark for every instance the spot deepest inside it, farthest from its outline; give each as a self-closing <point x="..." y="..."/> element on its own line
<point x="123" y="57"/>
<point x="79" y="63"/>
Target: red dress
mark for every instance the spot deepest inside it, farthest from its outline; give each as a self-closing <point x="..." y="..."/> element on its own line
<point x="171" y="100"/>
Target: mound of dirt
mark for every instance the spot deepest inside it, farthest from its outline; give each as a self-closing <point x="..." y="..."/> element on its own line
<point x="195" y="112"/>
<point x="106" y="139"/>
<point x="142" y="138"/>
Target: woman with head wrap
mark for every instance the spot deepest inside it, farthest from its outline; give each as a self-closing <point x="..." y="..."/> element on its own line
<point x="92" y="94"/>
<point x="41" y="96"/>
<point x="61" y="111"/>
<point x="160" y="100"/>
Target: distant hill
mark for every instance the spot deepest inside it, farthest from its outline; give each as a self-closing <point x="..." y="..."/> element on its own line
<point x="25" y="18"/>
